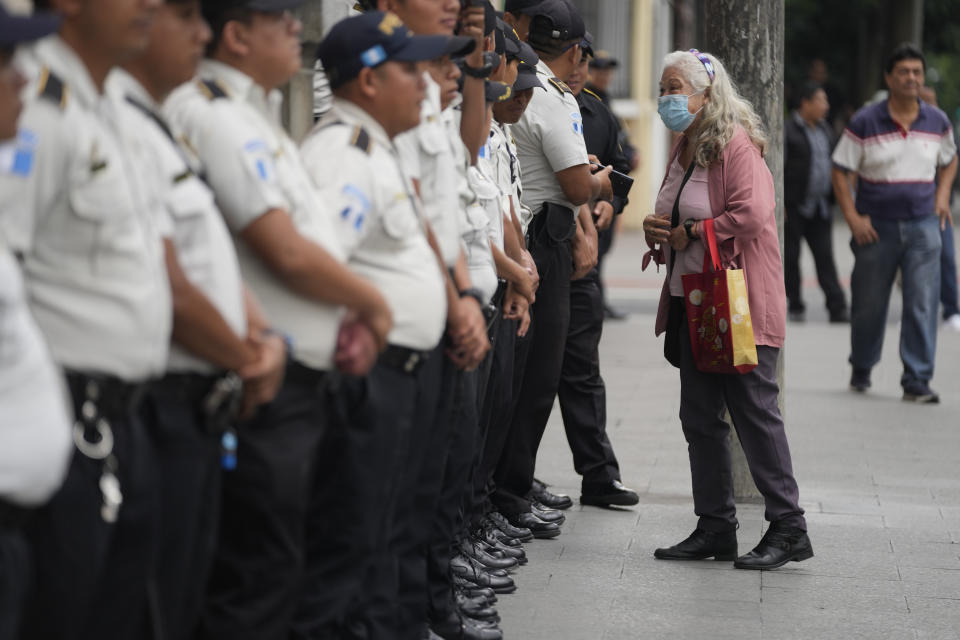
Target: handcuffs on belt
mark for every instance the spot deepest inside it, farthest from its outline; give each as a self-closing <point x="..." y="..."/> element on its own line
<point x="90" y="422"/>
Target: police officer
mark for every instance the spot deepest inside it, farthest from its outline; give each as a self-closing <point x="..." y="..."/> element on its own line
<point x="519" y="13"/>
<point x="191" y="409"/>
<point x="93" y="266"/>
<point x="498" y="161"/>
<point x="582" y="394"/>
<point x="35" y="443"/>
<point x="289" y="257"/>
<point x="557" y="180"/>
<point x="371" y="64"/>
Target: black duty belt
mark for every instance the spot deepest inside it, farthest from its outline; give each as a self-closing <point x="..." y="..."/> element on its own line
<point x="191" y="388"/>
<point x="13" y="516"/>
<point x="402" y="359"/>
<point x="115" y="398"/>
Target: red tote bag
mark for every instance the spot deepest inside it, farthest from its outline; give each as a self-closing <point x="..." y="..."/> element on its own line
<point x="718" y="314"/>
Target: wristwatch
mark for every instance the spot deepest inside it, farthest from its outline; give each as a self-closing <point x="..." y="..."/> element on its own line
<point x="478" y="72"/>
<point x="688" y="227"/>
<point x="474" y="293"/>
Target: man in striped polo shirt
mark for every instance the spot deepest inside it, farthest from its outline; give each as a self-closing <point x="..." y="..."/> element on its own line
<point x="896" y="149"/>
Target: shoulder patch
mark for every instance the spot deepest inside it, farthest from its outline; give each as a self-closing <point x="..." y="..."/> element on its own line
<point x="591" y="93"/>
<point x="560" y="85"/>
<point x="212" y="89"/>
<point x="51" y="88"/>
<point x="361" y="139"/>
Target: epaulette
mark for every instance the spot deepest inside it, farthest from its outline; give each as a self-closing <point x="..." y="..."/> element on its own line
<point x="561" y="85"/>
<point x="361" y="139"/>
<point x="587" y="91"/>
<point x="211" y="89"/>
<point x="52" y="88"/>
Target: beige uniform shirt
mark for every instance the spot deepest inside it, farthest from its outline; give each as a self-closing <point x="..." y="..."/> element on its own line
<point x="377" y="222"/>
<point x="253" y="167"/>
<point x="549" y="139"/>
<point x="186" y="212"/>
<point x="92" y="255"/>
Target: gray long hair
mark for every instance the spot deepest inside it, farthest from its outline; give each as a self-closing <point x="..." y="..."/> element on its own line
<point x="723" y="112"/>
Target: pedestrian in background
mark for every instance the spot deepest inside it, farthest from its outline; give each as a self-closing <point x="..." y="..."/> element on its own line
<point x="904" y="157"/>
<point x="807" y="190"/>
<point x="719" y="159"/>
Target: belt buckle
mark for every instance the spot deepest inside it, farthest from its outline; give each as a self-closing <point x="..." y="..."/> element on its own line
<point x="412" y="361"/>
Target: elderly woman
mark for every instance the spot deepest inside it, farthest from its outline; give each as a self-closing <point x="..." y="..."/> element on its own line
<point x="716" y="170"/>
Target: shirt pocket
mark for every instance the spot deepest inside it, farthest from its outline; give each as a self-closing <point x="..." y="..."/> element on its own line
<point x="188" y="204"/>
<point x="104" y="222"/>
<point x="400" y="220"/>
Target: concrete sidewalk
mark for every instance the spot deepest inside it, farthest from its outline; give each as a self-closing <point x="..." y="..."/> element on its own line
<point x="880" y="480"/>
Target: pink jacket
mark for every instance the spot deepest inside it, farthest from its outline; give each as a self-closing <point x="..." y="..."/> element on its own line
<point x="743" y="202"/>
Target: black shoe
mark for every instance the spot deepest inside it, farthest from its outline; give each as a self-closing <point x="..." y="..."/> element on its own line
<point x="778" y="546"/>
<point x="475" y="550"/>
<point x="605" y="495"/>
<point x="477" y="608"/>
<point x="840" y="317"/>
<point x="540" y="529"/>
<point x="471" y="590"/>
<point x="860" y="380"/>
<point x="797" y="315"/>
<point x="500" y="521"/>
<point x="700" y="545"/>
<point x="548" y="499"/>
<point x="456" y="627"/>
<point x="491" y="533"/>
<point x="612" y="313"/>
<point x="474" y="573"/>
<point x="921" y="393"/>
<point x="546" y="514"/>
<point x="491" y="542"/>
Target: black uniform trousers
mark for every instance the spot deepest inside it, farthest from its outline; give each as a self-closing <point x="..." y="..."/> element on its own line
<point x="495" y="404"/>
<point x="189" y="471"/>
<point x="396" y="583"/>
<point x="819" y="236"/>
<point x="259" y="564"/>
<point x="91" y="577"/>
<point x="549" y="244"/>
<point x="349" y="517"/>
<point x="582" y="393"/>
<point x="458" y="468"/>
<point x="15" y="578"/>
<point x="751" y="399"/>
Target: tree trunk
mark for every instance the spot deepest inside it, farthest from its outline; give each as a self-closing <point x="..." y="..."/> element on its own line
<point x="747" y="36"/>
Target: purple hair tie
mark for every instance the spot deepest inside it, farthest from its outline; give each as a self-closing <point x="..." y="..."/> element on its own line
<point x="706" y="63"/>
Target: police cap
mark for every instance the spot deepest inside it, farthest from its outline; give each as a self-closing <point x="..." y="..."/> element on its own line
<point x="526" y="78"/>
<point x="603" y="60"/>
<point x="554" y="23"/>
<point x="215" y="8"/>
<point x="376" y="37"/>
<point x="15" y="29"/>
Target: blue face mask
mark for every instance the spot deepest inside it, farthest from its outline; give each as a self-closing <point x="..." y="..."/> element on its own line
<point x="674" y="112"/>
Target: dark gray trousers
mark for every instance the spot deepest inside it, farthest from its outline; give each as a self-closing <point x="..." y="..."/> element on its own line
<point x="752" y="401"/>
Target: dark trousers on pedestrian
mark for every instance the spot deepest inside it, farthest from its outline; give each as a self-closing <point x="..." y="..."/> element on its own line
<point x="259" y="564"/>
<point x="948" y="274"/>
<point x="751" y="399"/>
<point x="913" y="247"/>
<point x="91" y="577"/>
<point x="550" y="248"/>
<point x="350" y="516"/>
<point x="582" y="393"/>
<point x="818" y="232"/>
<point x="189" y="471"/>
<point x="15" y="578"/>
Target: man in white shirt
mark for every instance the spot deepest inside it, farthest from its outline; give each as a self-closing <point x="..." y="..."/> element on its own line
<point x="291" y="259"/>
<point x="35" y="443"/>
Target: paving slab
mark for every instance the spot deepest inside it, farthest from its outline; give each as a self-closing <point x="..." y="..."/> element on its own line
<point x="879" y="478"/>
